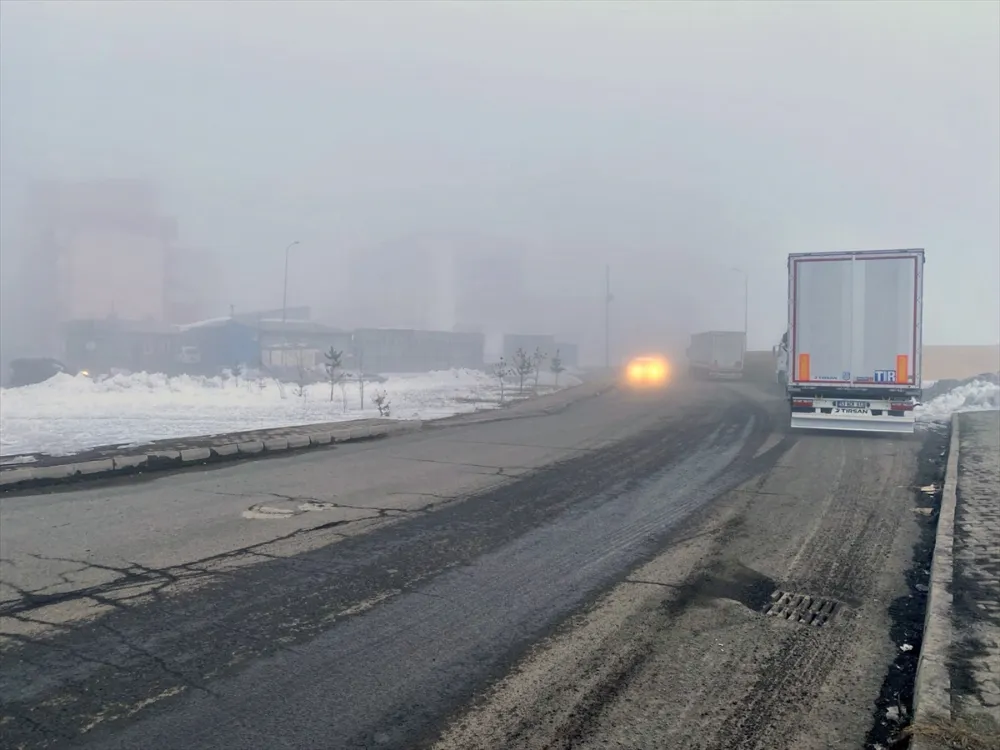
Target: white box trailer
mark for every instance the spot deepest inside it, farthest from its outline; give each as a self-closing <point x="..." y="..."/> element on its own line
<point x="854" y="339"/>
<point x="717" y="353"/>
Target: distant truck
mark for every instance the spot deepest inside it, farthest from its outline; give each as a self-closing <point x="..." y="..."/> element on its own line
<point x="717" y="354"/>
<point x="851" y="357"/>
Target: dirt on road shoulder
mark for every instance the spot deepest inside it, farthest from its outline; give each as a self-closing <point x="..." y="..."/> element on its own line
<point x="769" y="623"/>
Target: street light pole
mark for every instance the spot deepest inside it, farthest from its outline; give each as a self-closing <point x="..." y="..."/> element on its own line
<point x="608" y="297"/>
<point x="284" y="294"/>
<point x="746" y="298"/>
<point x="284" y="307"/>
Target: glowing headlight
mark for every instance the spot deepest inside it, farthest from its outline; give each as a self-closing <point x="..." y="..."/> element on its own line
<point x="648" y="371"/>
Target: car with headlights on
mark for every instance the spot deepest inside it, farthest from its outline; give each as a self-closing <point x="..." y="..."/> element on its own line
<point x="647" y="372"/>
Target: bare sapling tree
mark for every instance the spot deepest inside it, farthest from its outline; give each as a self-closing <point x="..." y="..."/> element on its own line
<point x="301" y="375"/>
<point x="501" y="370"/>
<point x="267" y="374"/>
<point x="536" y="362"/>
<point x="249" y="376"/>
<point x="334" y="359"/>
<point x="382" y="403"/>
<point x="556" y="365"/>
<point x="523" y="367"/>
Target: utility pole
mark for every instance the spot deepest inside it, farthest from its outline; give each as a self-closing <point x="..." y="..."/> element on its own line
<point x="746" y="298"/>
<point x="608" y="298"/>
<point x="284" y="294"/>
<point x="284" y="307"/>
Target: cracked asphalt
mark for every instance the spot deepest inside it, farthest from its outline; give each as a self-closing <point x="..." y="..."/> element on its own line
<point x="592" y="577"/>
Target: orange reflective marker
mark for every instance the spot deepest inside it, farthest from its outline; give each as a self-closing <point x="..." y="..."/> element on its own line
<point x="803" y="367"/>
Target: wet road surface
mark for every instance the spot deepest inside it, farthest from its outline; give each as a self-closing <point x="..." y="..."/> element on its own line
<point x="553" y="581"/>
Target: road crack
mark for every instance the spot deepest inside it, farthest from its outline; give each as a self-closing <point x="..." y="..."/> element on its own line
<point x="156" y="659"/>
<point x="151" y="581"/>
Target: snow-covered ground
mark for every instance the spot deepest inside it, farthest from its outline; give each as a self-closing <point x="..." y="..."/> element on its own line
<point x="67" y="414"/>
<point x="976" y="394"/>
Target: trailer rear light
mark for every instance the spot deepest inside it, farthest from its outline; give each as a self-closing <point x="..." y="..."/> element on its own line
<point x="802" y="404"/>
<point x="901" y="407"/>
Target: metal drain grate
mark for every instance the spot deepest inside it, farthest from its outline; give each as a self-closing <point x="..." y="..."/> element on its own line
<point x="801" y="608"/>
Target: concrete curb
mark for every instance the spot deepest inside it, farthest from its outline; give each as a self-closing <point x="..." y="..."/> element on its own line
<point x="261" y="445"/>
<point x="30" y="477"/>
<point x="932" y="691"/>
<point x="531" y="407"/>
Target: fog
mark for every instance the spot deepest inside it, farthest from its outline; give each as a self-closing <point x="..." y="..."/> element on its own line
<point x="673" y="142"/>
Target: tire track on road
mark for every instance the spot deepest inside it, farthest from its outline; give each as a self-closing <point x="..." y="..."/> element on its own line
<point x="839" y="562"/>
<point x="271" y="609"/>
<point x="693" y="662"/>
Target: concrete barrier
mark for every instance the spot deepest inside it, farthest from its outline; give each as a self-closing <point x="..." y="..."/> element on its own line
<point x="129" y="462"/>
<point x="16" y="476"/>
<point x="52" y="473"/>
<point x="94" y="467"/>
<point x="165" y="455"/>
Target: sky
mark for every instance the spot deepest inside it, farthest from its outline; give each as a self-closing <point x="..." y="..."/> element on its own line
<point x="673" y="141"/>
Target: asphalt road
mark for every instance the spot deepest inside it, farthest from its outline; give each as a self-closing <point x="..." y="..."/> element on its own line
<point x="593" y="578"/>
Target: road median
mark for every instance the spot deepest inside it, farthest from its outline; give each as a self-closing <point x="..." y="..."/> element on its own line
<point x="164" y="455"/>
<point x="179" y="453"/>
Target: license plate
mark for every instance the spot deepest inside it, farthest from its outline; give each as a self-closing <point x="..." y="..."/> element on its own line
<point x="851" y="404"/>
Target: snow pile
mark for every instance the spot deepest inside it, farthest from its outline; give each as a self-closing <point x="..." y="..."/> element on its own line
<point x="67" y="414"/>
<point x="947" y="397"/>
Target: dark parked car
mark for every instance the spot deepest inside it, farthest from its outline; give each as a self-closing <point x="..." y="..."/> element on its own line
<point x="31" y="370"/>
